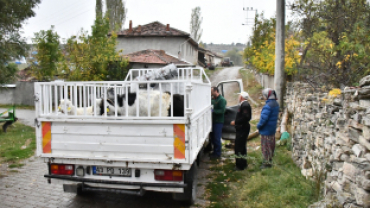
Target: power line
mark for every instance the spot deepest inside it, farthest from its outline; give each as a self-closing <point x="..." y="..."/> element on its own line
<point x="74" y="17"/>
<point x="55" y="15"/>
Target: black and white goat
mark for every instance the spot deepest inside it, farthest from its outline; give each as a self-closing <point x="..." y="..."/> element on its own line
<point x="155" y="100"/>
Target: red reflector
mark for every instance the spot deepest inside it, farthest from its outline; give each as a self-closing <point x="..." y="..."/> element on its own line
<point x="62" y="169"/>
<point x="168" y="175"/>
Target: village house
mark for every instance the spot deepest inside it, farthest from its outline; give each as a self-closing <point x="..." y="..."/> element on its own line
<point x="158" y="37"/>
<point x="152" y="59"/>
<point x="206" y="57"/>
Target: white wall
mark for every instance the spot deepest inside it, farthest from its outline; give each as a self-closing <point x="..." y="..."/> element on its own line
<point x="217" y="60"/>
<point x="266" y="81"/>
<point x="171" y="45"/>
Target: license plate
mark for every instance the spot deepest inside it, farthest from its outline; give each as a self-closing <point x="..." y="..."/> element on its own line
<point x="111" y="171"/>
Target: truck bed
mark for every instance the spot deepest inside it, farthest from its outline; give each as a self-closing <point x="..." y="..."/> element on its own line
<point x="118" y="140"/>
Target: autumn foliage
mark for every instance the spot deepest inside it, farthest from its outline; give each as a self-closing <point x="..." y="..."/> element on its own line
<point x="261" y="53"/>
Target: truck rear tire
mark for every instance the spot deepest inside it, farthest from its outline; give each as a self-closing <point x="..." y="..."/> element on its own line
<point x="190" y="192"/>
<point x="80" y="192"/>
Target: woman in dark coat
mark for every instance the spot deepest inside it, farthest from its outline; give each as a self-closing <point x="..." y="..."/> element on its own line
<point x="267" y="126"/>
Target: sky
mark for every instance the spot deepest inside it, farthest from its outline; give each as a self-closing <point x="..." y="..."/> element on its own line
<point x="222" y="19"/>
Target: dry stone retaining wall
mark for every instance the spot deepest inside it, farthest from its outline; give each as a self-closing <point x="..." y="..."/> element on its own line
<point x="331" y="140"/>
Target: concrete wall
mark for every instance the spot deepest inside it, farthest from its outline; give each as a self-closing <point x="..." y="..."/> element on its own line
<point x="170" y="45"/>
<point x="22" y="94"/>
<point x="266" y="81"/>
<point x="331" y="136"/>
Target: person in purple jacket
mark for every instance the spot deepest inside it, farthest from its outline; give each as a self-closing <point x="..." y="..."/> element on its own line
<point x="267" y="126"/>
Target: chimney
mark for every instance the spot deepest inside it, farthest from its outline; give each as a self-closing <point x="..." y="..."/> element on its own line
<point x="162" y="53"/>
<point x="139" y="29"/>
<point x="168" y="28"/>
<point x="130" y="27"/>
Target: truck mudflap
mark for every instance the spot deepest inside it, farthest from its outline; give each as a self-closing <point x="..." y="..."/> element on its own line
<point x="89" y="180"/>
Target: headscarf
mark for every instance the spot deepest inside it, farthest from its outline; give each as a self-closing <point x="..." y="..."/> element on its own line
<point x="269" y="94"/>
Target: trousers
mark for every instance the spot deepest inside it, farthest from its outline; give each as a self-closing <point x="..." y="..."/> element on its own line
<point x="241" y="148"/>
<point x="216" y="139"/>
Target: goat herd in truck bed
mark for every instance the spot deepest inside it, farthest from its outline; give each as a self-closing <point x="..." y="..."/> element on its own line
<point x="132" y="99"/>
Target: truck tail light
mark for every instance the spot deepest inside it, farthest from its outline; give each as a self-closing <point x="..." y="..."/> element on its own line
<point x="62" y="169"/>
<point x="168" y="175"/>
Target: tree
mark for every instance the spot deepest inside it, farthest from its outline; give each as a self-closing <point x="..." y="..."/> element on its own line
<point x="12" y="15"/>
<point x="116" y="10"/>
<point x="335" y="36"/>
<point x="196" y="24"/>
<point x="99" y="9"/>
<point x="94" y="57"/>
<point x="261" y="52"/>
<point x="8" y="73"/>
<point x="235" y="56"/>
<point x="201" y="44"/>
<point x="48" y="55"/>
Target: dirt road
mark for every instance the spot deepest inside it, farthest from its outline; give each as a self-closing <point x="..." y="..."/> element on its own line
<point x="226" y="74"/>
<point x="230" y="73"/>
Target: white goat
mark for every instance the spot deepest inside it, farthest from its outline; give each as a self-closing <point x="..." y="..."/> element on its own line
<point x="71" y="109"/>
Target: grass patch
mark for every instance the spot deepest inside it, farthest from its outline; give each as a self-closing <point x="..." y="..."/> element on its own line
<point x="280" y="186"/>
<point x="18" y="107"/>
<point x="16" y="165"/>
<point x="18" y="143"/>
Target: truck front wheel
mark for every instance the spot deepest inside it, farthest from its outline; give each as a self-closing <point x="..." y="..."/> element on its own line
<point x="190" y="192"/>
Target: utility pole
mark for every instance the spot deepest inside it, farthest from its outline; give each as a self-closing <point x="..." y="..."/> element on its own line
<point x="280" y="78"/>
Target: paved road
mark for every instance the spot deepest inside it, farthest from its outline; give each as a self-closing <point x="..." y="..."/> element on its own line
<point x="29" y="188"/>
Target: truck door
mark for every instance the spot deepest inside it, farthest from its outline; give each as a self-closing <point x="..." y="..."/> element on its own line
<point x="229" y="90"/>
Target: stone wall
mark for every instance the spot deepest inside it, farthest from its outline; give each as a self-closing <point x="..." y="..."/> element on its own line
<point x="331" y="136"/>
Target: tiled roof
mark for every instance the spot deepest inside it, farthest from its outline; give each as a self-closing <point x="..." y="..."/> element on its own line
<point x="153" y="57"/>
<point x="153" y="29"/>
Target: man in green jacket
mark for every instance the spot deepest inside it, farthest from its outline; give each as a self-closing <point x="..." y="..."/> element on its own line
<point x="218" y="111"/>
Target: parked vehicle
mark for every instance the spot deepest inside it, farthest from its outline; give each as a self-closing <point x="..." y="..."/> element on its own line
<point x="113" y="151"/>
<point x="211" y="66"/>
<point x="226" y="61"/>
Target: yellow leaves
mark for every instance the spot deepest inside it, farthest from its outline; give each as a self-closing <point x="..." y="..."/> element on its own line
<point x="346" y="57"/>
<point x="339" y="64"/>
<point x="335" y="92"/>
